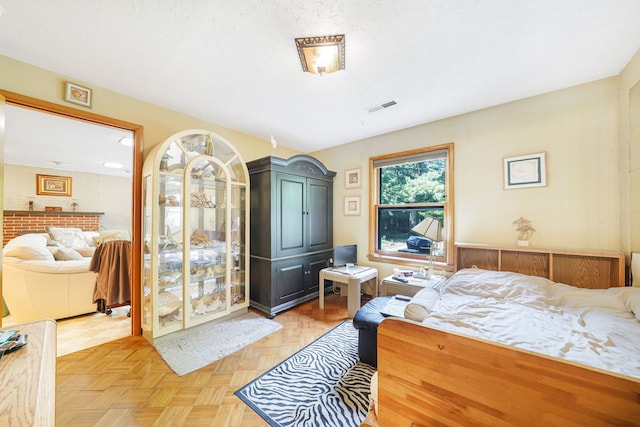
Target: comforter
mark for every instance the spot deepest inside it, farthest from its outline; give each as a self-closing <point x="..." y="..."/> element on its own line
<point x="595" y="327"/>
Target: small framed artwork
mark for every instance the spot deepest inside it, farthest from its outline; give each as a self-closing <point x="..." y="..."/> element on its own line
<point x="352" y="205"/>
<point x="51" y="185"/>
<point x="352" y="178"/>
<point x="77" y="94"/>
<point x="525" y="171"/>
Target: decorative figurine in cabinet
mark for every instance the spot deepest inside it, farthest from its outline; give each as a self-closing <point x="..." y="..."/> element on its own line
<point x="195" y="222"/>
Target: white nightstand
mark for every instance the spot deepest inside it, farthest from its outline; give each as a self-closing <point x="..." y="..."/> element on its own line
<point x="389" y="286"/>
<point x="353" y="281"/>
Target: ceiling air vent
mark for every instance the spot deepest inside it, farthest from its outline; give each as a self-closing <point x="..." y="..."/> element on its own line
<point x="381" y="106"/>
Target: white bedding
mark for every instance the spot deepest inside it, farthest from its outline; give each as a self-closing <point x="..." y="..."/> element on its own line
<point x="594" y="327"/>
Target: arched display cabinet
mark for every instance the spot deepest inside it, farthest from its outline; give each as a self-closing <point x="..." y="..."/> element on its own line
<point x="195" y="224"/>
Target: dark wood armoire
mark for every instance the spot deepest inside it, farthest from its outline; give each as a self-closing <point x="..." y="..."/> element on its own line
<point x="291" y="230"/>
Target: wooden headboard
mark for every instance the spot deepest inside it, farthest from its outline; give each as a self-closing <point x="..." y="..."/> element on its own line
<point x="583" y="269"/>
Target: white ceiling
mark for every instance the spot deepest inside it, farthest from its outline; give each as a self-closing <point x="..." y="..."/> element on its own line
<point x="234" y="62"/>
<point x="34" y="138"/>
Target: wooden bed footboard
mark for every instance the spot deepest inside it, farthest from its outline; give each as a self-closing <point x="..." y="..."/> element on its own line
<point x="434" y="378"/>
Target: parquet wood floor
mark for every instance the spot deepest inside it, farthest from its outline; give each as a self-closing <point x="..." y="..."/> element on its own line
<point x="80" y="332"/>
<point x="126" y="383"/>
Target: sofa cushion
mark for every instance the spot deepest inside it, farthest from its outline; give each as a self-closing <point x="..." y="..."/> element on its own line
<point x="31" y="253"/>
<point x="86" y="252"/>
<point x="69" y="237"/>
<point x="108" y="235"/>
<point x="49" y="266"/>
<point x="33" y="239"/>
<point x="89" y="235"/>
<point x="61" y="253"/>
<point x="28" y="247"/>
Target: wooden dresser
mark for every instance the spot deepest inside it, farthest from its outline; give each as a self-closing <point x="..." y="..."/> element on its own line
<point x="28" y="377"/>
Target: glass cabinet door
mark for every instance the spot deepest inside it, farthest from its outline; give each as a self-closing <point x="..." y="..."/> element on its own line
<point x="207" y="239"/>
<point x="237" y="280"/>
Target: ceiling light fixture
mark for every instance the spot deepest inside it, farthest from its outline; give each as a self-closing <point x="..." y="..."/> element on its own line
<point x="113" y="165"/>
<point x="274" y="143"/>
<point x="320" y="55"/>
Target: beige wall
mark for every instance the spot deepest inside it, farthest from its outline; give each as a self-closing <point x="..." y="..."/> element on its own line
<point x="159" y="123"/>
<point x="630" y="153"/>
<point x="93" y="192"/>
<point x="576" y="127"/>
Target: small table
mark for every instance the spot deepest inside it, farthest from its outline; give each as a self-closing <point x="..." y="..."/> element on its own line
<point x="29" y="377"/>
<point x="353" y="281"/>
<point x="390" y="286"/>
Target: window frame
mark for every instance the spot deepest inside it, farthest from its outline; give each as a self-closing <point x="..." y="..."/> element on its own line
<point x="446" y="261"/>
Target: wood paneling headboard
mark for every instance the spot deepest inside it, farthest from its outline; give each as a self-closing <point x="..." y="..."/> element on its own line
<point x="580" y="268"/>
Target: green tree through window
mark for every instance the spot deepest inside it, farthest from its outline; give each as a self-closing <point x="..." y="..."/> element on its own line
<point x="407" y="188"/>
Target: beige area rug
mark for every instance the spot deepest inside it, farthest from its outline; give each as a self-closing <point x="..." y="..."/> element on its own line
<point x="191" y="349"/>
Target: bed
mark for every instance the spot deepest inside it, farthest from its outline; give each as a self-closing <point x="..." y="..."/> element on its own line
<point x="499" y="348"/>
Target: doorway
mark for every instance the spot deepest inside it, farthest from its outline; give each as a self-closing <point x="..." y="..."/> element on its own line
<point x="135" y="131"/>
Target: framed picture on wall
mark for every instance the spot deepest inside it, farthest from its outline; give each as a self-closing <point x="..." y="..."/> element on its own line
<point x="51" y="185"/>
<point x="352" y="205"/>
<point x="525" y="171"/>
<point x="77" y="94"/>
<point x="352" y="178"/>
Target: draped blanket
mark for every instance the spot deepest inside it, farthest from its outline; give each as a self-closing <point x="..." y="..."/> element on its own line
<point x="112" y="262"/>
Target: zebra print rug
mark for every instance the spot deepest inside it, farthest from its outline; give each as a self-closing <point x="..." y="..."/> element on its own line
<point x="323" y="384"/>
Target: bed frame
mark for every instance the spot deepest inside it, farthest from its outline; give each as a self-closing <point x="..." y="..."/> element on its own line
<point x="428" y="377"/>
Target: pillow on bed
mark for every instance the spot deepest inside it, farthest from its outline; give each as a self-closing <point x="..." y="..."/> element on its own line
<point x="61" y="253"/>
<point x="421" y="304"/>
<point x="633" y="303"/>
<point x="69" y="237"/>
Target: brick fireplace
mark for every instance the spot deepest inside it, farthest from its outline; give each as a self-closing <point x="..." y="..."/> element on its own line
<point x="16" y="223"/>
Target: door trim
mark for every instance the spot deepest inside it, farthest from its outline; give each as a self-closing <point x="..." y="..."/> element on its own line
<point x="136" y="193"/>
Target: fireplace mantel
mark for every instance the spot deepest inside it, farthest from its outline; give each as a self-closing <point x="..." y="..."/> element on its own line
<point x="53" y="213"/>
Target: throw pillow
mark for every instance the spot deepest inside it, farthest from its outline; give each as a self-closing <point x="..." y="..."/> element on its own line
<point x="421" y="304"/>
<point x="633" y="302"/>
<point x="65" y="254"/>
<point x="86" y="252"/>
<point x="108" y="235"/>
<point x="69" y="237"/>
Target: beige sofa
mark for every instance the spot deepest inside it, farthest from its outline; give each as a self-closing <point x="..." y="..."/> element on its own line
<point x="47" y="281"/>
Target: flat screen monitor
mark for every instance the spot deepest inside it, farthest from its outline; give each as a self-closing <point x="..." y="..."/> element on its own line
<point x="345" y="254"/>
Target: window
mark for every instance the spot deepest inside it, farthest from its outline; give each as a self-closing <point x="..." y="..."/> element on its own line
<point x="411" y="207"/>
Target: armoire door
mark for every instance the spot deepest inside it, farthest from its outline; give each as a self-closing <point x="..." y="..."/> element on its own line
<point x="320" y="215"/>
<point x="290" y="214"/>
